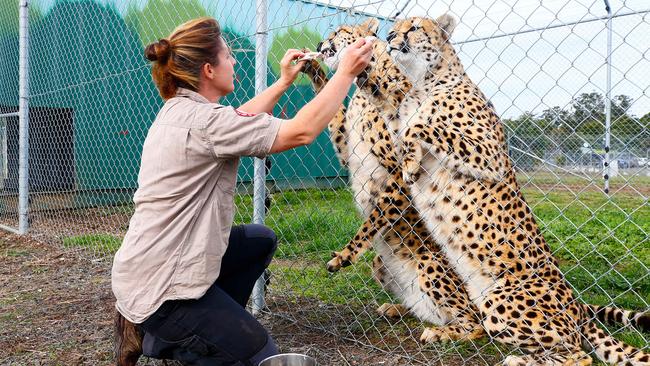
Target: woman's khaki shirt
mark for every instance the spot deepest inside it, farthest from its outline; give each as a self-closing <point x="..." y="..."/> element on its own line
<point x="184" y="201"/>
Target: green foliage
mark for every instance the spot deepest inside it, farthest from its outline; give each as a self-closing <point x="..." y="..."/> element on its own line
<point x="563" y="131"/>
<point x="160" y="17"/>
<point x="529" y="134"/>
<point x="598" y="240"/>
<point x="353" y="286"/>
<point x="588" y="107"/>
<point x="620" y="105"/>
<point x="9" y="20"/>
<point x="293" y="38"/>
<point x="601" y="243"/>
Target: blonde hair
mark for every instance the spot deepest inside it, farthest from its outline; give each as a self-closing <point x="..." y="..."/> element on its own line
<point x="177" y="60"/>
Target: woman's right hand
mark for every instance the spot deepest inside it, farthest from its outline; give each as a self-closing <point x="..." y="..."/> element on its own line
<point x="356" y="58"/>
<point x="312" y="119"/>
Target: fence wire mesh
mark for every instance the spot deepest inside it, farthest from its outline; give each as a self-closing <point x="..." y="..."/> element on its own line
<point x="543" y="65"/>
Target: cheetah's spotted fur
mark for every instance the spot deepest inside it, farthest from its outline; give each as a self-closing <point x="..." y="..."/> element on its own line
<point x="463" y="185"/>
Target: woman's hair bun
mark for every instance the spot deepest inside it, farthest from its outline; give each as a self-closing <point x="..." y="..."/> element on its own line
<point x="158" y="51"/>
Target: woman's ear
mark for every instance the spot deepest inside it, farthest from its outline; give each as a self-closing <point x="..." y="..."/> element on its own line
<point x="207" y="71"/>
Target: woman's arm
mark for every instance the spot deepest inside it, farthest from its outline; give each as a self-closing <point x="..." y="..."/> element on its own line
<point x="266" y="100"/>
<point x="312" y="119"/>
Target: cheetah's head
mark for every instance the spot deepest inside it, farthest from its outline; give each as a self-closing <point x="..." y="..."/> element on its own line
<point x="334" y="46"/>
<point x="417" y="44"/>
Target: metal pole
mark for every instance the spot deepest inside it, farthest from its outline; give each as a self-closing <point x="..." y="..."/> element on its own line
<point x="608" y="97"/>
<point x="259" y="167"/>
<point x="23" y="120"/>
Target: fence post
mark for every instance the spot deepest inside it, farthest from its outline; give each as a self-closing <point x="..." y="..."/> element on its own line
<point x="608" y="96"/>
<point x="23" y="119"/>
<point x="259" y="179"/>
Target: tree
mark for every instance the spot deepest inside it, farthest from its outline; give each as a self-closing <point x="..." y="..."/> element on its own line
<point x="631" y="133"/>
<point x="644" y="138"/>
<point x="160" y="17"/>
<point x="528" y="138"/>
<point x="645" y="121"/>
<point x="588" y="112"/>
<point x="555" y="115"/>
<point x="620" y="105"/>
<point x="9" y="16"/>
<point x="293" y="38"/>
<point x="560" y="131"/>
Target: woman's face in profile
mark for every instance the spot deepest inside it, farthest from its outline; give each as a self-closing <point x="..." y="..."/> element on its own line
<point x="225" y="70"/>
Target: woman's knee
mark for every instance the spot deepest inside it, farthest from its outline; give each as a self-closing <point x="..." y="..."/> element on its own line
<point x="259" y="231"/>
<point x="269" y="349"/>
<point x="267" y="236"/>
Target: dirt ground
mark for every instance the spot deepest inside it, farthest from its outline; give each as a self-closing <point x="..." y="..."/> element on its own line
<point x="56" y="308"/>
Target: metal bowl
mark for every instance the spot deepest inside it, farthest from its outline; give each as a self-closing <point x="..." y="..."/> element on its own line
<point x="288" y="359"/>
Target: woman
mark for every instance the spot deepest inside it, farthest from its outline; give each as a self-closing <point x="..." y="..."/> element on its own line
<point x="183" y="274"/>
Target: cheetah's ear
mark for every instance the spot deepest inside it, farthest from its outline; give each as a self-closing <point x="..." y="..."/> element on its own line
<point x="372" y="25"/>
<point x="447" y="23"/>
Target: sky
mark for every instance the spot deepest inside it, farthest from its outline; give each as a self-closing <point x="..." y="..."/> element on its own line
<point x="537" y="70"/>
<point x="532" y="71"/>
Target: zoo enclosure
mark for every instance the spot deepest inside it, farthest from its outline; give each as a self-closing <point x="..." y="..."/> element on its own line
<point x="569" y="80"/>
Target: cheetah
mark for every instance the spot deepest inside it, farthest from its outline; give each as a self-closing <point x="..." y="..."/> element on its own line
<point x="362" y="135"/>
<point x="455" y="163"/>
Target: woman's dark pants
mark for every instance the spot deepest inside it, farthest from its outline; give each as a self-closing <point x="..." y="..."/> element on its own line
<point x="216" y="329"/>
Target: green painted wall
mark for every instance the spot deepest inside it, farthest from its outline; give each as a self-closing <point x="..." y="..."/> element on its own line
<point x="88" y="57"/>
<point x="84" y="57"/>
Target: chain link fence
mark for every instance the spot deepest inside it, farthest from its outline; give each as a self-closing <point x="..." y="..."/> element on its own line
<point x="569" y="80"/>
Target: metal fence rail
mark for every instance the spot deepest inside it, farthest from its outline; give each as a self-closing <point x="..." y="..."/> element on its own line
<point x="571" y="83"/>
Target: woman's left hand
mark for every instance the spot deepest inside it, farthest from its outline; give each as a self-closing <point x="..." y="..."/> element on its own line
<point x="288" y="70"/>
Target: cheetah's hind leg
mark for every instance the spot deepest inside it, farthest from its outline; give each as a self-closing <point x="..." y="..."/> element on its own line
<point x="565" y="357"/>
<point x="389" y="310"/>
<point x="384" y="278"/>
<point x="451" y="333"/>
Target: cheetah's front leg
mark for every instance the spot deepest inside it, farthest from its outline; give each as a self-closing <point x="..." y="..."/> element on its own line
<point x="376" y="134"/>
<point x="412" y="153"/>
<point x="389" y="208"/>
<point x="461" y="149"/>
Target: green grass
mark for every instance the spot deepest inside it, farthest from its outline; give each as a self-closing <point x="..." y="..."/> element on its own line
<point x="310" y="223"/>
<point x="592" y="180"/>
<point x="353" y="286"/>
<point x="16" y="253"/>
<point x="99" y="242"/>
<point x="602" y="244"/>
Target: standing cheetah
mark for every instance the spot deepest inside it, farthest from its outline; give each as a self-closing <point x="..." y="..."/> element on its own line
<point x="455" y="162"/>
<point x="363" y="136"/>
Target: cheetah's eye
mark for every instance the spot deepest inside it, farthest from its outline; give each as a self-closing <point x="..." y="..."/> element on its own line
<point x="412" y="29"/>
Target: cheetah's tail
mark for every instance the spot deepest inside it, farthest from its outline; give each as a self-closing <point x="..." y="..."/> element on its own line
<point x="611" y="350"/>
<point x="611" y="315"/>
